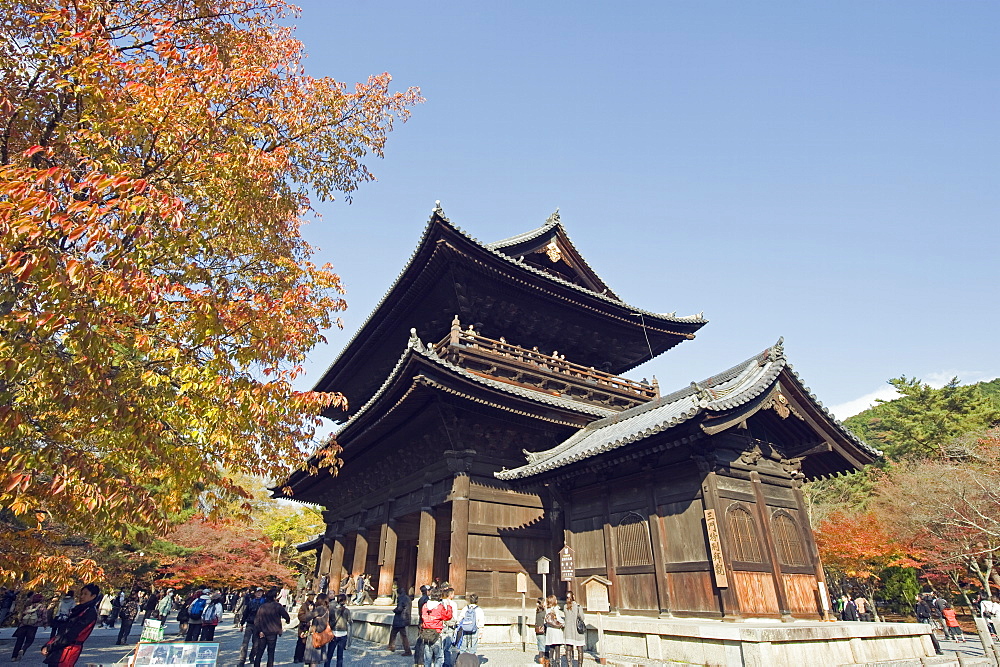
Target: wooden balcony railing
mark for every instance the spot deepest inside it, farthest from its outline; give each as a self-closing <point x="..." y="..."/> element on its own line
<point x="546" y="372"/>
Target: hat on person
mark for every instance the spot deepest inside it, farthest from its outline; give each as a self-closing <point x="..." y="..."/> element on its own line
<point x="259" y="589"/>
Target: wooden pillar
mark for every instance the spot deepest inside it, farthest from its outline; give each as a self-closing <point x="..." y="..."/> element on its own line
<point x="425" y="547"/>
<point x="765" y="526"/>
<point x="360" y="552"/>
<point x="322" y="564"/>
<point x="656" y="538"/>
<point x="336" y="564"/>
<point x="387" y="572"/>
<point x="459" y="556"/>
<point x="728" y="601"/>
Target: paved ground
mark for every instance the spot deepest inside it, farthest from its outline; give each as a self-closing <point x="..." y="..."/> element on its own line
<point x="101" y="649"/>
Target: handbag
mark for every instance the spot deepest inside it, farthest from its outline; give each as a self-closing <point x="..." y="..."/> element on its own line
<point x="581" y="627"/>
<point x="429" y="635"/>
<point x="539" y="629"/>
<point x="321" y="639"/>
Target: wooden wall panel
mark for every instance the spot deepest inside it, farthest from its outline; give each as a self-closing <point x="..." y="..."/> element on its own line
<point x="480" y="583"/>
<point x="637" y="592"/>
<point x="756" y="593"/>
<point x="503" y="516"/>
<point x="801" y="591"/>
<point x="588" y="542"/>
<point x="691" y="591"/>
<point x="684" y="534"/>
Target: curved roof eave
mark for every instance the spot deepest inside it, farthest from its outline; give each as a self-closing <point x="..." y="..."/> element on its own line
<point x="725" y="391"/>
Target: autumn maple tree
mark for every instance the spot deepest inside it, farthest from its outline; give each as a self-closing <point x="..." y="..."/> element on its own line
<point x="220" y="555"/>
<point x="156" y="296"/>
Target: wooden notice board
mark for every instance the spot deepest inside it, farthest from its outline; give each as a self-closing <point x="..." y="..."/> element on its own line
<point x="715" y="545"/>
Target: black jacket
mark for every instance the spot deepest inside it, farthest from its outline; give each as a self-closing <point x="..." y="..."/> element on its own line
<point x="268" y="619"/>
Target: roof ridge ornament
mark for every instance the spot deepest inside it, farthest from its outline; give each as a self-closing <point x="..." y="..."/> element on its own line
<point x="415" y="341"/>
<point x="553" y="218"/>
<point x="704" y="397"/>
<point x="777" y="351"/>
<point x="437" y="208"/>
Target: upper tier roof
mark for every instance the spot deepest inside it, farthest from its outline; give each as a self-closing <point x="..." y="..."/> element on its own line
<point x="568" y="309"/>
<point x="715" y="404"/>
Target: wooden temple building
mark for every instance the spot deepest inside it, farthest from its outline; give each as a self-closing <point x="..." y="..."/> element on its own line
<point x="489" y="424"/>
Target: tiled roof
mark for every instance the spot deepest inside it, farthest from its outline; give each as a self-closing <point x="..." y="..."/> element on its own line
<point x="416" y="346"/>
<point x="439" y="214"/>
<point x="731" y="388"/>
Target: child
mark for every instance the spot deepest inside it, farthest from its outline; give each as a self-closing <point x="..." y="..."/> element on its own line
<point x="952" y="627"/>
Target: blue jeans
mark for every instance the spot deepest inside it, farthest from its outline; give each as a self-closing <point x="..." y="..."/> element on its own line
<point x="469" y="642"/>
<point x="434" y="654"/>
<point x="338" y="644"/>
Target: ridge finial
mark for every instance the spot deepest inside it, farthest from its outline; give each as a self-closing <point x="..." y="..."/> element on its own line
<point x="553" y="218"/>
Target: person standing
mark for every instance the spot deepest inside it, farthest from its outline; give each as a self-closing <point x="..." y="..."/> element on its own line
<point x="116" y="606"/>
<point x="7" y="599"/>
<point x="267" y="622"/>
<point x="351" y="589"/>
<point x="283" y="598"/>
<point x="922" y="610"/>
<point x="952" y="628"/>
<point x="33" y="617"/>
<point x="418" y="646"/>
<point x="471" y="626"/>
<point x="210" y="618"/>
<point x="359" y="589"/>
<point x="64" y="649"/>
<point x="864" y="608"/>
<point x="576" y="641"/>
<point x="543" y="655"/>
<point x="555" y="621"/>
<point x="104" y="609"/>
<point x="129" y="610"/>
<point x="401" y="622"/>
<point x="165" y="606"/>
<point x="317" y="619"/>
<point x="432" y="621"/>
<point x="196" y="611"/>
<point x="340" y="621"/>
<point x="448" y="635"/>
<point x="149" y="606"/>
<point x="304" y="617"/>
<point x="247" y="622"/>
<point x="61" y="612"/>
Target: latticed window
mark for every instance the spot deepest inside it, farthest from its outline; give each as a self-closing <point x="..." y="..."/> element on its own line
<point x="787" y="540"/>
<point x="633" y="541"/>
<point x="743" y="536"/>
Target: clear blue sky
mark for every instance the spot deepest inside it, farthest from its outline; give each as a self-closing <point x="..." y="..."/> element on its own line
<point x="827" y="172"/>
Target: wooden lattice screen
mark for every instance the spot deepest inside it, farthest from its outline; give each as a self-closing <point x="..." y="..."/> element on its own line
<point x="633" y="541"/>
<point x="787" y="540"/>
<point x="743" y="536"/>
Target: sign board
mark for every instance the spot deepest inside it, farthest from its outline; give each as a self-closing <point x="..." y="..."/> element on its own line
<point x="543" y="565"/>
<point x="567" y="569"/>
<point x="180" y="654"/>
<point x="715" y="544"/>
<point x="522" y="582"/>
<point x="596" y="590"/>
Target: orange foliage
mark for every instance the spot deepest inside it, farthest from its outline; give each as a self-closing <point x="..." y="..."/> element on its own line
<point x="156" y="296"/>
<point x="858" y="545"/>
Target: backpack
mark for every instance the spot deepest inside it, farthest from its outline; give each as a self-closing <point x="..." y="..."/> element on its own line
<point x="212" y="614"/>
<point x="197" y="607"/>
<point x="468" y="623"/>
<point x="341" y="622"/>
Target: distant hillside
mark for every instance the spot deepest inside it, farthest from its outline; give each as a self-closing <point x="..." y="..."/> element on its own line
<point x="878" y="424"/>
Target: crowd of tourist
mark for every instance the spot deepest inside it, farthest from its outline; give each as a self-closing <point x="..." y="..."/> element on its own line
<point x="447" y="633"/>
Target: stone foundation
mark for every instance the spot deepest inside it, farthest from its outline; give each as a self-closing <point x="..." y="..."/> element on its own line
<point x="703" y="642"/>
